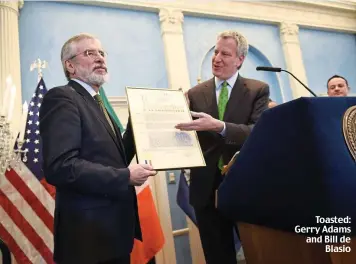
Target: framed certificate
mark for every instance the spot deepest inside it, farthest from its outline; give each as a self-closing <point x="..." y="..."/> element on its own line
<point x="154" y="114"/>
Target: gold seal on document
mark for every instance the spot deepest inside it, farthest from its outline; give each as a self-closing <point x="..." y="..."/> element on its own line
<point x="349" y="129"/>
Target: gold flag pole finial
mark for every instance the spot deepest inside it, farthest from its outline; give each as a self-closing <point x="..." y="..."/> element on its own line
<point x="39" y="65"/>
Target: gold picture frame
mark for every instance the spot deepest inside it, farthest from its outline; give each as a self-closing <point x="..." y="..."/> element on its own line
<point x="154" y="113"/>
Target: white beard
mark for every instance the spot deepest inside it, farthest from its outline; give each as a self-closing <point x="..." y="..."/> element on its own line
<point x="92" y="78"/>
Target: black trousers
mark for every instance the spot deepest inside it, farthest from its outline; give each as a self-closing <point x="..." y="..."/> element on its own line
<point x="123" y="260"/>
<point x="216" y="232"/>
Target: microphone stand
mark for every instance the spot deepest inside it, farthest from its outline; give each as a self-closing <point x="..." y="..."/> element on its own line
<point x="300" y="82"/>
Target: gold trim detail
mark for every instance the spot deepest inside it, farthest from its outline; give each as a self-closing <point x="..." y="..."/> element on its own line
<point x="349" y="130"/>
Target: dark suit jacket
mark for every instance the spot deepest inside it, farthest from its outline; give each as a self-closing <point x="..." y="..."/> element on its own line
<point x="248" y="99"/>
<point x="96" y="216"/>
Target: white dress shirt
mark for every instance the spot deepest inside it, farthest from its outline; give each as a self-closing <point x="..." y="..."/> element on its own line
<point x="87" y="87"/>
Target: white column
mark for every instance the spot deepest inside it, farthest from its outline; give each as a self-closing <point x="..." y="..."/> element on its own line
<point x="294" y="59"/>
<point x="171" y="30"/>
<point x="176" y="60"/>
<point x="10" y="54"/>
<point x="178" y="77"/>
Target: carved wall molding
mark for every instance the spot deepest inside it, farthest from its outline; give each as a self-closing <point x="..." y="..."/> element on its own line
<point x="171" y="20"/>
<point x="170" y="16"/>
<point x="333" y="15"/>
<point x="289" y="33"/>
<point x="288" y="29"/>
<point x="21" y="3"/>
<point x="11" y="6"/>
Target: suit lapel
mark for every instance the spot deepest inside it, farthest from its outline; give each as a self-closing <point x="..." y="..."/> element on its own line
<point x="118" y="133"/>
<point x="236" y="100"/>
<point x="99" y="114"/>
<point x="210" y="98"/>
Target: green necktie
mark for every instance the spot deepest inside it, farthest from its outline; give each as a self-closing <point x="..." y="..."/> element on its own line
<point x="223" y="98"/>
<point x="103" y="109"/>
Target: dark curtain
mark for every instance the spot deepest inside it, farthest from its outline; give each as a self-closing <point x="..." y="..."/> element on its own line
<point x="152" y="261"/>
<point x="6" y="256"/>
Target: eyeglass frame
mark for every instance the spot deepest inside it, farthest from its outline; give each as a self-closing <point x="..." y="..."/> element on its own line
<point x="85" y="52"/>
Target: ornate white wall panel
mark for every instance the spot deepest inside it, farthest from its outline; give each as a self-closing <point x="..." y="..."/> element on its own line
<point x="10" y="54"/>
<point x="335" y="15"/>
<point x="294" y="60"/>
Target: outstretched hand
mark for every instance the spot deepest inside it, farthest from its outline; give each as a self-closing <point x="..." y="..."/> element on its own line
<point x="204" y="122"/>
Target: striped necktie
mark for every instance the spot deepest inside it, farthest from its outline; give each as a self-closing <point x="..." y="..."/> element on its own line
<point x="103" y="109"/>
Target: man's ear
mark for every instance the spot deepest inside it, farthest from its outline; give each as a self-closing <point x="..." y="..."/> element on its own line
<point x="240" y="60"/>
<point x="70" y="67"/>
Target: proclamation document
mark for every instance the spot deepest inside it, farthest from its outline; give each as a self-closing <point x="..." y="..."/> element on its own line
<point x="154" y="113"/>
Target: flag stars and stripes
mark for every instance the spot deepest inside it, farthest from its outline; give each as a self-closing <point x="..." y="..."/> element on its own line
<point x="29" y="203"/>
<point x="33" y="141"/>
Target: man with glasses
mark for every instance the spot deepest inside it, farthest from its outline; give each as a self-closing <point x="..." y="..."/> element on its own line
<point x="87" y="160"/>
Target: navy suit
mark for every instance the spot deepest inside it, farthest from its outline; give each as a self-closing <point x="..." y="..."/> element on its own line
<point x="96" y="216"/>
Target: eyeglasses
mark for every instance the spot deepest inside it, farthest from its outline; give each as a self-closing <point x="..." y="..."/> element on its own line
<point x="93" y="54"/>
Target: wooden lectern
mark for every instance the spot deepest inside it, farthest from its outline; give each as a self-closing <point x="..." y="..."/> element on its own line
<point x="296" y="165"/>
<point x="263" y="245"/>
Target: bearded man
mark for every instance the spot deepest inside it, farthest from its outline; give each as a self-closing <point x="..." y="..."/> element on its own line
<point x="87" y="160"/>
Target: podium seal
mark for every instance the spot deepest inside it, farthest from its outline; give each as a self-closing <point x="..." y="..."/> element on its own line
<point x="349" y="130"/>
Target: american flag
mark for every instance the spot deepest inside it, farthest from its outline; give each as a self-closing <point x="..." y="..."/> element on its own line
<point x="26" y="199"/>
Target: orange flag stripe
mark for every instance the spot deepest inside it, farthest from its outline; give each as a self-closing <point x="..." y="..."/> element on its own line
<point x="152" y="234"/>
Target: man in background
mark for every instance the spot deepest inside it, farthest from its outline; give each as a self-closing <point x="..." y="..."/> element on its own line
<point x="226" y="108"/>
<point x="86" y="159"/>
<point x="271" y="103"/>
<point x="337" y="86"/>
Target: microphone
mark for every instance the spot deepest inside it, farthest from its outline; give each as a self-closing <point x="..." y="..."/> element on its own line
<point x="271" y="69"/>
<point x="274" y="69"/>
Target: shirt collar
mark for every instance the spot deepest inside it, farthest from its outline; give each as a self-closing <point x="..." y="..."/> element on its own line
<point x="231" y="81"/>
<point x="87" y="87"/>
